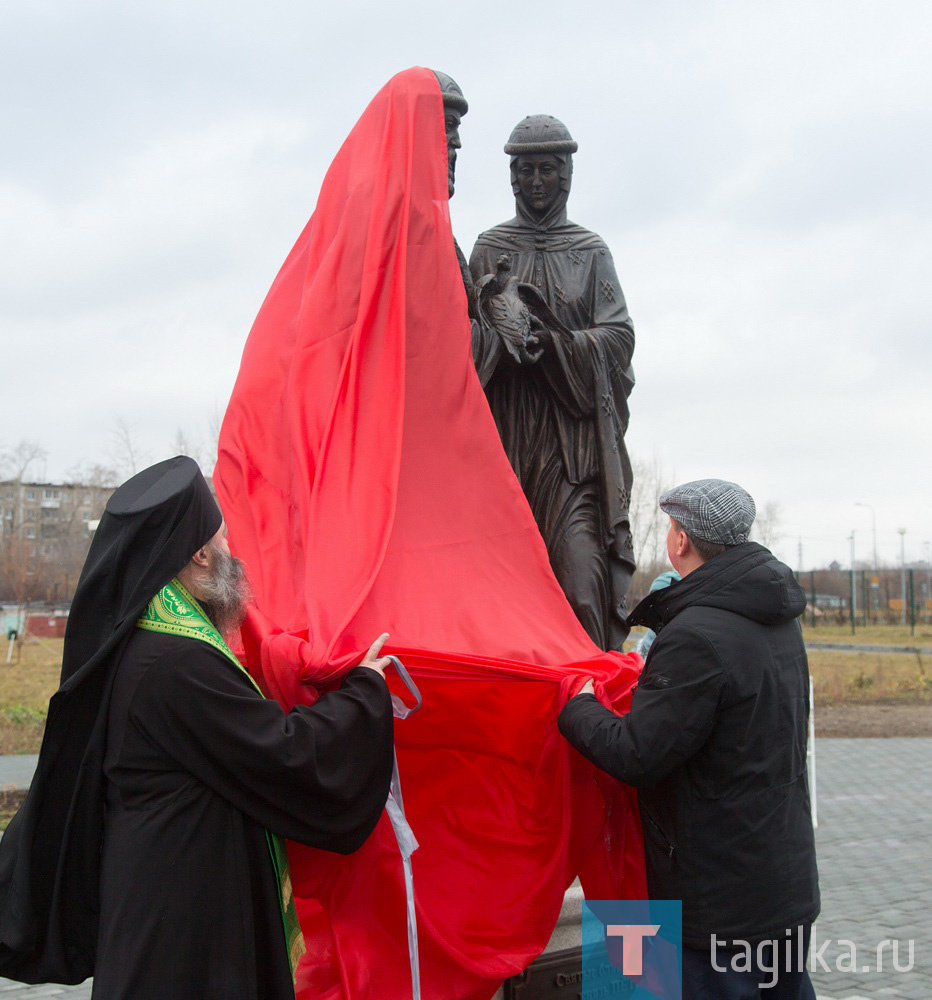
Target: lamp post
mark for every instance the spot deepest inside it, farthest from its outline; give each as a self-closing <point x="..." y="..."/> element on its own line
<point x="902" y="532"/>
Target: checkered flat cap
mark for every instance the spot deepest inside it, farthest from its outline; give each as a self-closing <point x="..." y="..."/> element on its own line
<point x="712" y="510"/>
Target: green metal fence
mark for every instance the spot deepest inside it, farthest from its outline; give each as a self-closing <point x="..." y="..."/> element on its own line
<point x="868" y="597"/>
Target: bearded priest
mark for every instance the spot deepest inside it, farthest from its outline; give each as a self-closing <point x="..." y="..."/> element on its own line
<point x="148" y="852"/>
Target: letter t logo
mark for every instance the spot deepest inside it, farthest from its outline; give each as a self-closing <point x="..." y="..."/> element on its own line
<point x="632" y="936"/>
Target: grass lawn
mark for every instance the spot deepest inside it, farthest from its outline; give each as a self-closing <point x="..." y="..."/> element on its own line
<point x="850" y="676"/>
<point x="859" y="677"/>
<point x="838" y="676"/>
<point x="867" y="677"/>
<point x="26" y="685"/>
<point x="874" y="635"/>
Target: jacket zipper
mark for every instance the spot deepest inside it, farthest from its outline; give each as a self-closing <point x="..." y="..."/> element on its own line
<point x="664" y="837"/>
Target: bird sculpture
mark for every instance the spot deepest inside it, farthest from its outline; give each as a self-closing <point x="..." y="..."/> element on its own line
<point x="502" y="306"/>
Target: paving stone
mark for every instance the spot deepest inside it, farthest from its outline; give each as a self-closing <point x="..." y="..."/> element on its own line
<point x="875" y="869"/>
<point x="875" y="859"/>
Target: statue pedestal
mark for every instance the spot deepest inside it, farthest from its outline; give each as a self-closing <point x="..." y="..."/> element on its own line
<point x="556" y="974"/>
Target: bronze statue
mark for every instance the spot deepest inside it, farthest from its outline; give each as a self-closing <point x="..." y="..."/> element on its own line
<point x="454" y="107"/>
<point x="558" y="375"/>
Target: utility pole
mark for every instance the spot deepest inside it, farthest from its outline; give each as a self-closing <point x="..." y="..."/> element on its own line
<point x="800" y="550"/>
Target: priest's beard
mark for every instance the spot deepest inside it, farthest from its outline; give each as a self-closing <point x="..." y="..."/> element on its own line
<point x="225" y="591"/>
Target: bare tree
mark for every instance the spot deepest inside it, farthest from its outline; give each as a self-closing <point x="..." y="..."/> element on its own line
<point x="15" y="462"/>
<point x="23" y="570"/>
<point x="93" y="475"/>
<point x="648" y="524"/>
<point x="184" y="445"/>
<point x="125" y="452"/>
<point x="767" y="524"/>
<point x="214" y="423"/>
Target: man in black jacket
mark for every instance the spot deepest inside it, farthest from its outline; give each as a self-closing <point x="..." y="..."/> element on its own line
<point x="715" y="742"/>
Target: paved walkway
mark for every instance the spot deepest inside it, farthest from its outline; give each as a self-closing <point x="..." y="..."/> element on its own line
<point x="17" y="770"/>
<point x="875" y="862"/>
<point x="875" y="859"/>
<point x="863" y="647"/>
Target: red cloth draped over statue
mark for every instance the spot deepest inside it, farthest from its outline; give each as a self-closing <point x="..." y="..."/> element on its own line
<point x="364" y="484"/>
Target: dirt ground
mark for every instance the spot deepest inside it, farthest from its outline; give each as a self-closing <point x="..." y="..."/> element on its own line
<point x="874" y="719"/>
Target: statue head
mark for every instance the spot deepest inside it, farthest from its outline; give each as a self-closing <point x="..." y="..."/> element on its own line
<point x="541" y="150"/>
<point x="454" y="107"/>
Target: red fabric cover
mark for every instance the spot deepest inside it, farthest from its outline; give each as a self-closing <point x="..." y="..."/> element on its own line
<point x="365" y="486"/>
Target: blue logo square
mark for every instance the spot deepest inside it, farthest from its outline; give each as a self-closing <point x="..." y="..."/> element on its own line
<point x="632" y="949"/>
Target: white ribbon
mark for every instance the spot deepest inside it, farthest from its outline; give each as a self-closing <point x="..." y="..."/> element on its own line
<point x="407" y="843"/>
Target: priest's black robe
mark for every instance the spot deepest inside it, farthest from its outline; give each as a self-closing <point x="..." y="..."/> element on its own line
<point x="198" y="765"/>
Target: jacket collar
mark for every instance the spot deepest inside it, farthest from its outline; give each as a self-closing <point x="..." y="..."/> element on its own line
<point x="747" y="579"/>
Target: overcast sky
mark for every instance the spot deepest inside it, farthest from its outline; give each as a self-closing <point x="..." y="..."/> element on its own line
<point x="760" y="170"/>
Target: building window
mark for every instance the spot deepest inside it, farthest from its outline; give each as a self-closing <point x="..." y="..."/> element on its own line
<point x="31" y="514"/>
<point x="85" y="516"/>
<point x="30" y="494"/>
<point x="30" y="532"/>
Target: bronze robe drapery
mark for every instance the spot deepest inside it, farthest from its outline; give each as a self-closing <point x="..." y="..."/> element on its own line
<point x="563" y="418"/>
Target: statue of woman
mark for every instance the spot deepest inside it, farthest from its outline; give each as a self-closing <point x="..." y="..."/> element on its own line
<point x="560" y="398"/>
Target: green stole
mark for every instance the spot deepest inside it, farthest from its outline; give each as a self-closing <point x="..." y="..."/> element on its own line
<point x="174" y="611"/>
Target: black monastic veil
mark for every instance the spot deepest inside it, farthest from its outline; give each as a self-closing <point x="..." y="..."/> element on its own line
<point x="140" y="855"/>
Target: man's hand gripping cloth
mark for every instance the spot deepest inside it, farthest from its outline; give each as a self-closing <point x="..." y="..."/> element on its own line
<point x="365" y="486"/>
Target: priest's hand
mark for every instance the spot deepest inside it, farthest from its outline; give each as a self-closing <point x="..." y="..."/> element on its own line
<point x="372" y="660"/>
<point x="587" y="688"/>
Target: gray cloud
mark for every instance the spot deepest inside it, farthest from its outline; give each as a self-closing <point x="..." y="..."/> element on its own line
<point x="760" y="172"/>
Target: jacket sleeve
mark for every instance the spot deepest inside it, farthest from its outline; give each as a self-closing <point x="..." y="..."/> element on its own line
<point x="672" y="713"/>
<point x="318" y="774"/>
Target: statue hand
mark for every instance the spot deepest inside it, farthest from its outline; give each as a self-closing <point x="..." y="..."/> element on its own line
<point x="537" y="343"/>
<point x="527" y="354"/>
<point x="543" y="336"/>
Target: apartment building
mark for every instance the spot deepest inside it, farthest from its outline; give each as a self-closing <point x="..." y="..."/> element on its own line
<point x="45" y="531"/>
